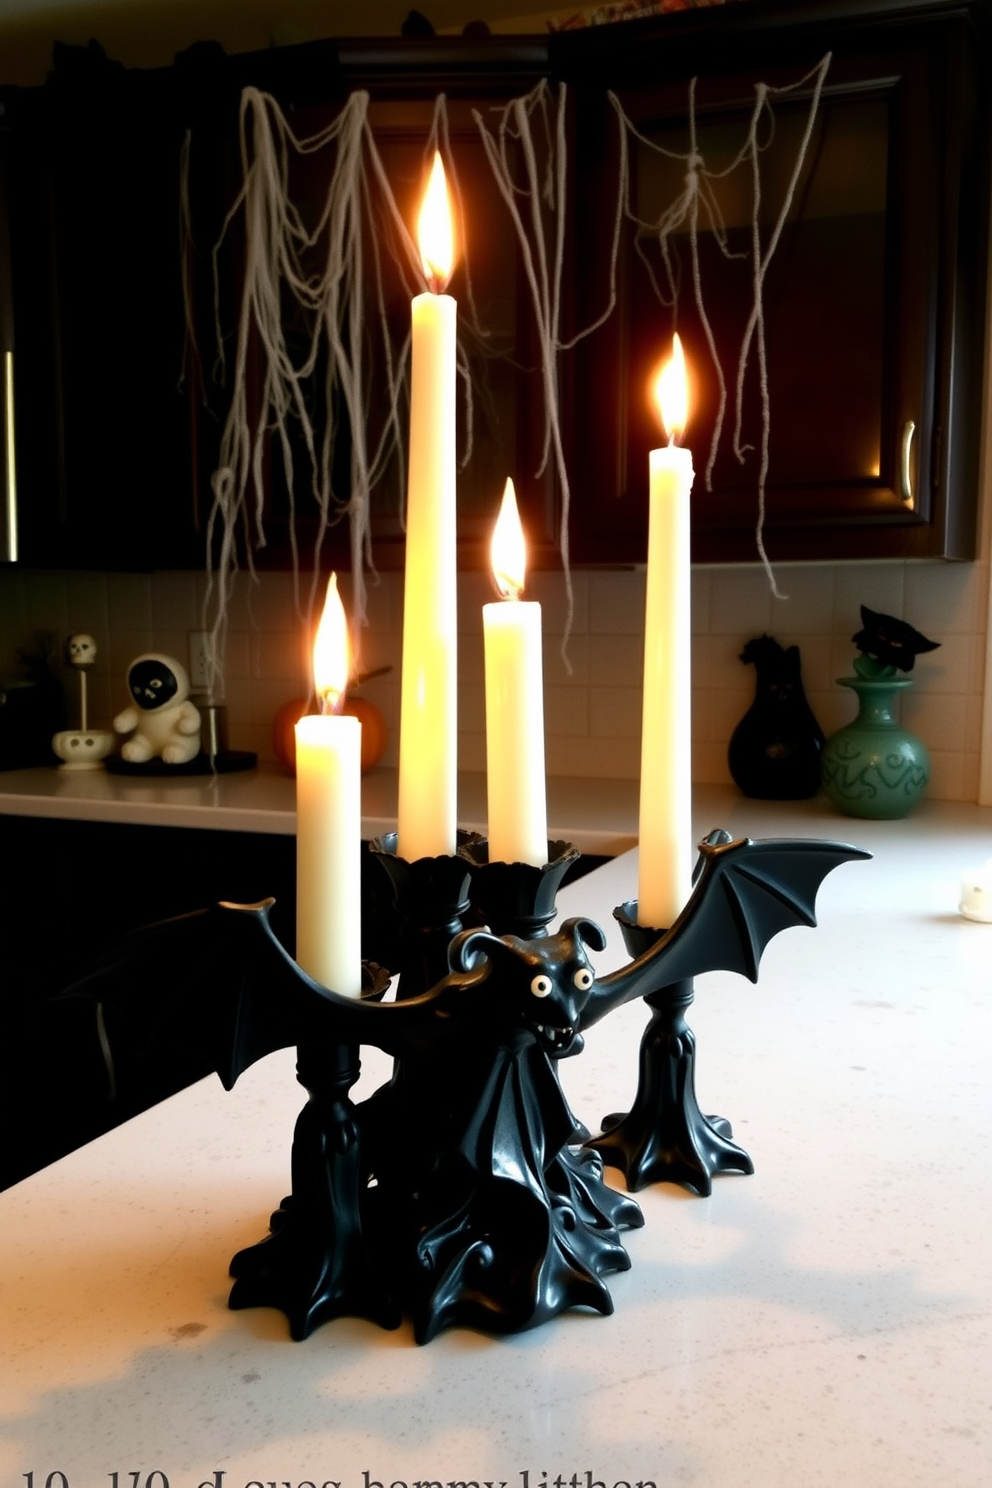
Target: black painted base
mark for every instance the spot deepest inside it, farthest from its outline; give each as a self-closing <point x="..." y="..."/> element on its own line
<point x="664" y="1137"/>
<point x="315" y="1264"/>
<point x="493" y="1230"/>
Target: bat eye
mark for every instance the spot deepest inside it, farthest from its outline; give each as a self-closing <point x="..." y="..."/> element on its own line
<point x="542" y="986"/>
<point x="583" y="979"/>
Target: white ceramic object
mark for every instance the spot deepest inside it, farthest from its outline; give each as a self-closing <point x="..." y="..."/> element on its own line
<point x="976" y="894"/>
<point x="82" y="654"/>
<point x="83" y="749"/>
<point x="162" y="721"/>
<point x="82" y="650"/>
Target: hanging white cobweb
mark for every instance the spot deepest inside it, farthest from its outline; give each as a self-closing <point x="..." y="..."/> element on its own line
<point x="696" y="209"/>
<point x="321" y="280"/>
<point x="324" y="280"/>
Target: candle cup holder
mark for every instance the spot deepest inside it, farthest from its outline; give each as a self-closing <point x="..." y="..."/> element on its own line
<point x="664" y="1137"/>
<point x="457" y="1194"/>
<point x="517" y="898"/>
<point x="430" y="899"/>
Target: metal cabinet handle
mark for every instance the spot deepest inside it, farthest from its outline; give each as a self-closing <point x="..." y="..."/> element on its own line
<point x="8" y="528"/>
<point x="905" y="464"/>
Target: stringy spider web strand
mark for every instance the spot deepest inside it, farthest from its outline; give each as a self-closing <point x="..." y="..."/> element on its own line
<point x="546" y="304"/>
<point x="756" y="321"/>
<point x="684" y="210"/>
<point x="277" y="243"/>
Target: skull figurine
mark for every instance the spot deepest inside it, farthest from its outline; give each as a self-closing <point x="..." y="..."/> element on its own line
<point x="82" y="650"/>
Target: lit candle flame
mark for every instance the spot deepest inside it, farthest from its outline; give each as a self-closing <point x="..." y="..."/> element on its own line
<point x="671" y="392"/>
<point x="434" y="231"/>
<point x="508" y="551"/>
<point x="331" y="652"/>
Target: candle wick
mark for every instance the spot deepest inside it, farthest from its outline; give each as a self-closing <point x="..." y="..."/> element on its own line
<point x="331" y="701"/>
<point x="505" y="587"/>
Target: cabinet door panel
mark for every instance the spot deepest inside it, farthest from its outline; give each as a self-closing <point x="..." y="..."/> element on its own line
<point x="851" y="311"/>
<point x="874" y="301"/>
<point x="101" y="418"/>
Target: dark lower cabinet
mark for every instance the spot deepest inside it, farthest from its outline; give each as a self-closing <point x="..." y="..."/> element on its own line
<point x="70" y="890"/>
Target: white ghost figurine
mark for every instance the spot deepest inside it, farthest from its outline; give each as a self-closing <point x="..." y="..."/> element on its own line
<point x="162" y="720"/>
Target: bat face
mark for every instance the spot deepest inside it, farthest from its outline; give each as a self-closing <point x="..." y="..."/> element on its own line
<point x="551" y="994"/>
<point x="544" y="984"/>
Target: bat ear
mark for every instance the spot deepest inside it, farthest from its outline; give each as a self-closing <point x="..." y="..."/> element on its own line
<point x="470" y="947"/>
<point x="717" y="838"/>
<point x="587" y="931"/>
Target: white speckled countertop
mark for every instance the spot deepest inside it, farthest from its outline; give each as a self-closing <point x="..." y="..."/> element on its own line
<point x="826" y="1321"/>
<point x="598" y="816"/>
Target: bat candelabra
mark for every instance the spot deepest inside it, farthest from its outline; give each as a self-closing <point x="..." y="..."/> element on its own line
<point x="464" y="1191"/>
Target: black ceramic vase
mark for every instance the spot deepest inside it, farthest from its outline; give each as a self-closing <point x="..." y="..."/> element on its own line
<point x="774" y="752"/>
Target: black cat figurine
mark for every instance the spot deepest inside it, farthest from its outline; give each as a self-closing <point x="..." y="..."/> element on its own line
<point x="774" y="752"/>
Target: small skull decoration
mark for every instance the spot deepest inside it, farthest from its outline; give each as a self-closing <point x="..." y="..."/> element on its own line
<point x="82" y="650"/>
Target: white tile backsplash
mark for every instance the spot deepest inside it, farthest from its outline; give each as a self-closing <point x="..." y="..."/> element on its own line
<point x="592" y="714"/>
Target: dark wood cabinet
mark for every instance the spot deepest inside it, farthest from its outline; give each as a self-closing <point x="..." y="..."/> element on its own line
<point x="102" y="422"/>
<point x="78" y="886"/>
<point x="874" y="301"/>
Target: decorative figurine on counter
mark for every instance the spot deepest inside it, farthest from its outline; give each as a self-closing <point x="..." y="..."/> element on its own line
<point x="774" y="752"/>
<point x="458" y="1193"/>
<point x="163" y="722"/>
<point x="83" y="748"/>
<point x="874" y="767"/>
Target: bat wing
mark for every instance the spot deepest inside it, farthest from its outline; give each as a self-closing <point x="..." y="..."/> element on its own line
<point x="745" y="893"/>
<point x="218" y="983"/>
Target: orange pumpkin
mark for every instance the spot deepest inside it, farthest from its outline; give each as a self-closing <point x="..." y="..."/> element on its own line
<point x="374" y="730"/>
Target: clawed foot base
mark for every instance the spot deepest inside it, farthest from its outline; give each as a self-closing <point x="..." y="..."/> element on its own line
<point x="674" y="1147"/>
<point x="310" y="1273"/>
<point x="665" y="1138"/>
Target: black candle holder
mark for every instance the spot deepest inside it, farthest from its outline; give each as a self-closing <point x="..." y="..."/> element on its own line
<point x="517" y="898"/>
<point x="430" y="899"/>
<point x="315" y="1264"/>
<point x="664" y="1136"/>
<point x="460" y="1193"/>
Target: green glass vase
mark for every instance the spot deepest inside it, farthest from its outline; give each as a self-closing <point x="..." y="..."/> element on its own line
<point x="874" y="767"/>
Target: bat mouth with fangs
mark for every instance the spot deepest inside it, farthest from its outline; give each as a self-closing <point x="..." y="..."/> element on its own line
<point x="554" y="1039"/>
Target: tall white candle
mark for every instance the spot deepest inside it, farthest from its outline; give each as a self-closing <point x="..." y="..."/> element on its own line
<point x="518" y="816"/>
<point x="429" y="702"/>
<point x="329" y="818"/>
<point x="665" y="839"/>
